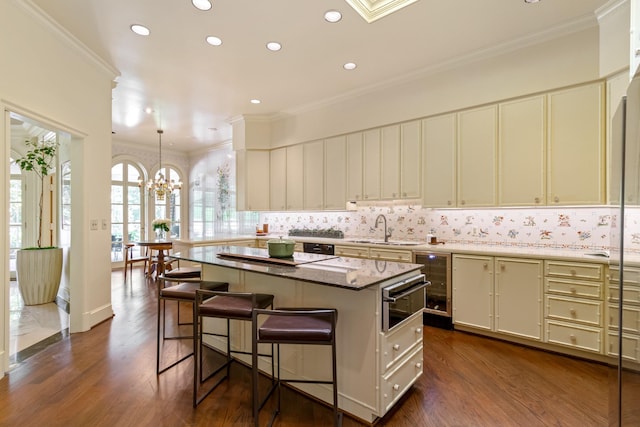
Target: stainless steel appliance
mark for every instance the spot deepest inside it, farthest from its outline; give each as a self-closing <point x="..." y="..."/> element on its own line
<point x="318" y="248"/>
<point x="401" y="300"/>
<point x="437" y="270"/>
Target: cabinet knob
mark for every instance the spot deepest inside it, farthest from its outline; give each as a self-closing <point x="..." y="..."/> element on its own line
<point x="396" y="387"/>
<point x="396" y="347"/>
<point x="404" y="194"/>
<point x="418" y="365"/>
<point x="449" y="202"/>
<point x="418" y="330"/>
<point x="556" y="199"/>
<point x="462" y="202"/>
<point x="572" y="338"/>
<point x="537" y="199"/>
<point x="573" y="272"/>
<point x="573" y="290"/>
<point x="572" y="311"/>
<point x="485" y="265"/>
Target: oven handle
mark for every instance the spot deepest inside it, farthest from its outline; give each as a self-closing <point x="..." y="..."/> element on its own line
<point x="412" y="289"/>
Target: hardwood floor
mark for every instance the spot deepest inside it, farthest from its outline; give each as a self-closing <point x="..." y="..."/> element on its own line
<point x="106" y="377"/>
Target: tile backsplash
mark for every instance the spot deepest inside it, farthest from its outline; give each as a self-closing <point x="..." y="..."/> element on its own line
<point x="568" y="227"/>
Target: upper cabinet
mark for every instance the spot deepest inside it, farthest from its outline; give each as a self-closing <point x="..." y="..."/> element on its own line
<point x="477" y="136"/>
<point x="313" y="171"/>
<point x="371" y="164"/>
<point x="411" y="160"/>
<point x="252" y="187"/>
<point x="575" y="165"/>
<point x="390" y="163"/>
<point x="278" y="179"/>
<point x="295" y="177"/>
<point x="521" y="152"/>
<point x="439" y="161"/>
<point x="355" y="169"/>
<point x="335" y="173"/>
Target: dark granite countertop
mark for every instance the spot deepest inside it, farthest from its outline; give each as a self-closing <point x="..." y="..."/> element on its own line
<point x="349" y="273"/>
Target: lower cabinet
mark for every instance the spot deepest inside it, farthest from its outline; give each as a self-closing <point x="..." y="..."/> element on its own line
<point x="630" y="314"/>
<point x="498" y="294"/>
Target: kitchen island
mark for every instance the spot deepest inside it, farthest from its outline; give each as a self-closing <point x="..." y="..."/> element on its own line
<point x="375" y="368"/>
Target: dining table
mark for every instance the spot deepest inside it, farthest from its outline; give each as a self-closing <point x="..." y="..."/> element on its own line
<point x="156" y="245"/>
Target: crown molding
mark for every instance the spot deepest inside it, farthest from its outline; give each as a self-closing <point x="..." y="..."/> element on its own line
<point x="66" y="37"/>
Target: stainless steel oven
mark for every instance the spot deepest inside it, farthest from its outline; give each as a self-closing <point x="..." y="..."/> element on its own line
<point x="401" y="300"/>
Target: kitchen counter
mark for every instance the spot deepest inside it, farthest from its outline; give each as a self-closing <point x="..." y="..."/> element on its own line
<point x="348" y="273"/>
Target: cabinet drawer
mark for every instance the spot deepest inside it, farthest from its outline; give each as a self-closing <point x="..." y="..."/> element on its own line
<point x="573" y="309"/>
<point x="398" y="343"/>
<point x="630" y="346"/>
<point x="352" y="251"/>
<point x="571" y="335"/>
<point x="631" y="276"/>
<point x="574" y="288"/>
<point x="390" y="255"/>
<point x="398" y="381"/>
<point x="631" y="293"/>
<point x="574" y="270"/>
<point x="630" y="318"/>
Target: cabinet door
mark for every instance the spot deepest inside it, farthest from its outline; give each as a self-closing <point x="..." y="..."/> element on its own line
<point x="295" y="177"/>
<point x="477" y="157"/>
<point x="390" y="160"/>
<point x="335" y="173"/>
<point x="252" y="187"/>
<point x="439" y="161"/>
<point x="313" y="171"/>
<point x="472" y="280"/>
<point x="575" y="146"/>
<point x="410" y="160"/>
<point x="372" y="164"/>
<point x="278" y="179"/>
<point x="355" y="168"/>
<point x="521" y="152"/>
<point x="518" y="297"/>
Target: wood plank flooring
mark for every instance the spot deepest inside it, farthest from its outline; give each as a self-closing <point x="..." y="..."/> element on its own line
<point x="106" y="377"/>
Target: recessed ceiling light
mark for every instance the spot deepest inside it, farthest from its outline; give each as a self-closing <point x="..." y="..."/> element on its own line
<point x="141" y="30"/>
<point x="201" y="4"/>
<point x="531" y="1"/>
<point x="274" y="46"/>
<point x="255" y="101"/>
<point x="148" y="110"/>
<point x="349" y="66"/>
<point x="332" y="16"/>
<point x="214" y="41"/>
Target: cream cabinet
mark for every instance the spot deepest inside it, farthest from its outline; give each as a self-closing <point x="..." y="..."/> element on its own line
<point x="501" y="295"/>
<point x="575" y="166"/>
<point x="251" y="180"/>
<point x="313" y="172"/>
<point x="355" y="168"/>
<point x="573" y="305"/>
<point x="295" y="177"/>
<point x="615" y="90"/>
<point x="384" y="254"/>
<point x="372" y="164"/>
<point x="630" y="314"/>
<point x="472" y="280"/>
<point x="521" y="152"/>
<point x="476" y="167"/>
<point x="411" y="160"/>
<point x="518" y="297"/>
<point x="439" y="161"/>
<point x="278" y="179"/>
<point x="390" y="162"/>
<point x="335" y="173"/>
<point x="351" y="251"/>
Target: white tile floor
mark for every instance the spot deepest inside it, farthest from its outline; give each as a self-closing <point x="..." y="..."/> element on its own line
<point x="30" y="325"/>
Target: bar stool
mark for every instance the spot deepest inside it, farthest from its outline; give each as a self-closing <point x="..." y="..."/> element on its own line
<point x="222" y="305"/>
<point x="315" y="326"/>
<point x="183" y="291"/>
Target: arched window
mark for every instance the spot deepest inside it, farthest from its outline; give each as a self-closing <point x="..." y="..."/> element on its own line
<point x="169" y="207"/>
<point x="127" y="207"/>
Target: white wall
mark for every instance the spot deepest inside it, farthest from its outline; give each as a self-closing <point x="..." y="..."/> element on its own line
<point x="47" y="76"/>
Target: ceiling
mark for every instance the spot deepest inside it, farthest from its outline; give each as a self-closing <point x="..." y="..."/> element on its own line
<point x="195" y="89"/>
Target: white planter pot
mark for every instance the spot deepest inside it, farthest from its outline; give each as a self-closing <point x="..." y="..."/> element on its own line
<point x="38" y="274"/>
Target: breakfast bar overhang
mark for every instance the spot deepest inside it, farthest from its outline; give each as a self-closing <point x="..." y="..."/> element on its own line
<point x="376" y="364"/>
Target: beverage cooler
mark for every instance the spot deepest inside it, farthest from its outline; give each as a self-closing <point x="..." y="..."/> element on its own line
<point x="437" y="270"/>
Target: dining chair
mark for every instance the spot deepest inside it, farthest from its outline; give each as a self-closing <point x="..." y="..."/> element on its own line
<point x="130" y="259"/>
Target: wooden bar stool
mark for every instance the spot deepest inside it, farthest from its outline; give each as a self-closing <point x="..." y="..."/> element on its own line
<point x="221" y="305"/>
<point x="315" y="326"/>
<point x="184" y="290"/>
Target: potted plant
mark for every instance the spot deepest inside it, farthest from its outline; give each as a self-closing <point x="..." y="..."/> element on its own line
<point x="161" y="227"/>
<point x="39" y="268"/>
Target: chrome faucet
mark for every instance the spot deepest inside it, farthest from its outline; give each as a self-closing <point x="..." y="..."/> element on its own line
<point x="386" y="235"/>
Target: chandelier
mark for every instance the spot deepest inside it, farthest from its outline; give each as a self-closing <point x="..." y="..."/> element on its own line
<point x="160" y="186"/>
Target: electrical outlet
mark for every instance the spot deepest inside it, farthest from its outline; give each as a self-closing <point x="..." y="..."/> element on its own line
<point x="104" y="224"/>
<point x="94" y="224"/>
